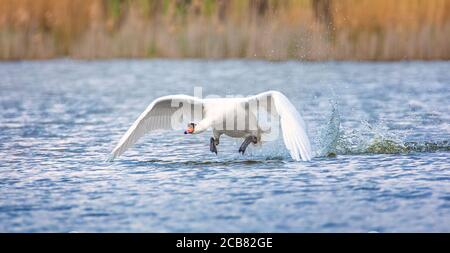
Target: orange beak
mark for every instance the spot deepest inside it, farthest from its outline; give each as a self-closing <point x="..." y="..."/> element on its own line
<point x="189" y="130"/>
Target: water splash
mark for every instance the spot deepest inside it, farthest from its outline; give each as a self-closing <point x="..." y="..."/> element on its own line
<point x="369" y="139"/>
<point x="329" y="135"/>
<point x="333" y="140"/>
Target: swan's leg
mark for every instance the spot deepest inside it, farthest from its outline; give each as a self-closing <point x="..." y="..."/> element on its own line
<point x="247" y="141"/>
<point x="212" y="145"/>
<point x="214" y="141"/>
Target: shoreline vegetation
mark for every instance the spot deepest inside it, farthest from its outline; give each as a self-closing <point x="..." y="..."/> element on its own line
<point x="372" y="30"/>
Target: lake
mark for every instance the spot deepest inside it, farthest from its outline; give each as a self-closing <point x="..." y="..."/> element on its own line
<point x="380" y="134"/>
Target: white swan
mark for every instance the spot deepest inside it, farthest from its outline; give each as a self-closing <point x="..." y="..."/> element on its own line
<point x="235" y="117"/>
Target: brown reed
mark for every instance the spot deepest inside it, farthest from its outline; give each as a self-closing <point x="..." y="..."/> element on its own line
<point x="267" y="29"/>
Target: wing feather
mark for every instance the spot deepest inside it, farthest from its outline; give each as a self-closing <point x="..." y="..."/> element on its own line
<point x="157" y="116"/>
<point x="292" y="125"/>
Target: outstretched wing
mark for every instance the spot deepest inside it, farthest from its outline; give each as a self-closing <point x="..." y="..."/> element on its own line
<point x="161" y="114"/>
<point x="292" y="125"/>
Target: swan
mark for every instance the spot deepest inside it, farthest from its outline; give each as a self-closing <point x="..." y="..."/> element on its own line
<point x="235" y="117"/>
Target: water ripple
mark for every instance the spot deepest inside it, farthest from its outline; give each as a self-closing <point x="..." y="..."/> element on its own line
<point x="382" y="147"/>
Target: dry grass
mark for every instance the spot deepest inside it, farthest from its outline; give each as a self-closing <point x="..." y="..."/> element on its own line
<point x="269" y="29"/>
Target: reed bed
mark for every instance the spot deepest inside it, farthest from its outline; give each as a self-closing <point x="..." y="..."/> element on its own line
<point x="266" y="29"/>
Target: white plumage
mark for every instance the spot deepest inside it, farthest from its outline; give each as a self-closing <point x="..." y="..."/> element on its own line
<point x="235" y="117"/>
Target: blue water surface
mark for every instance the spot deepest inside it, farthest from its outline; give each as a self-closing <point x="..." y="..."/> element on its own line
<point x="380" y="134"/>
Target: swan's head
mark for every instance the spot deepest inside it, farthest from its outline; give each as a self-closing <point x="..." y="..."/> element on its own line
<point x="190" y="128"/>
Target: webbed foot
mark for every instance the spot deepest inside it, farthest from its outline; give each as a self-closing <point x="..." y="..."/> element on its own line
<point x="247" y="141"/>
<point x="212" y="145"/>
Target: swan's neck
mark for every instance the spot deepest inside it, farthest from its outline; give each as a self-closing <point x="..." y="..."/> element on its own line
<point x="202" y="126"/>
